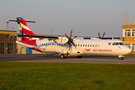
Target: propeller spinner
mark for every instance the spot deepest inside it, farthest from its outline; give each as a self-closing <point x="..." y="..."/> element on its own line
<point x="70" y="40"/>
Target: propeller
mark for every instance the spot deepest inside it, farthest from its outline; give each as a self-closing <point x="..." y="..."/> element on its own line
<point x="102" y="35"/>
<point x="70" y="40"/>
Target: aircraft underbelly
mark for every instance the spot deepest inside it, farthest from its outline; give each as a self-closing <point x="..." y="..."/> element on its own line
<point x="53" y="49"/>
<point x="98" y="53"/>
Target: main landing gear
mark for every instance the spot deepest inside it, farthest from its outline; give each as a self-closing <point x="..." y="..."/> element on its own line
<point x="62" y="56"/>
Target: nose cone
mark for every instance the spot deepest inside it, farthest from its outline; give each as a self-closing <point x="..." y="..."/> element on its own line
<point x="127" y="50"/>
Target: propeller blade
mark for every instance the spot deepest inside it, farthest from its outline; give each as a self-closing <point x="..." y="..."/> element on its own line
<point x="70" y="40"/>
<point x="66" y="35"/>
<point x="103" y="34"/>
<point x="71" y="32"/>
<point x="99" y="34"/>
<point x="75" y="37"/>
<point x="73" y="44"/>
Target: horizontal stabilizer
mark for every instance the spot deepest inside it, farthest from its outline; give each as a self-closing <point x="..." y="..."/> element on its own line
<point x="22" y="21"/>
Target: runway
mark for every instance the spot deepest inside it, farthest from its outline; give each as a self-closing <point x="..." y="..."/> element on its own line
<point x="52" y="58"/>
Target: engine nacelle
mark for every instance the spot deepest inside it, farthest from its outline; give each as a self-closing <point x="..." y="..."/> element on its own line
<point x="61" y="40"/>
<point x="75" y="53"/>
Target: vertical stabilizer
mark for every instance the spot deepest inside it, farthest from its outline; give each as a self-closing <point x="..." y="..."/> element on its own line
<point x="23" y="28"/>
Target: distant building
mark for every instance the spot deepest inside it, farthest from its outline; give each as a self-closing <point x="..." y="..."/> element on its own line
<point x="7" y="42"/>
<point x="129" y="36"/>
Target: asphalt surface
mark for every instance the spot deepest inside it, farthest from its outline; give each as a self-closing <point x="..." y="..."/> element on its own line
<point x="52" y="58"/>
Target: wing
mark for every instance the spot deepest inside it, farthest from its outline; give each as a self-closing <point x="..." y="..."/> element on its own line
<point x="33" y="36"/>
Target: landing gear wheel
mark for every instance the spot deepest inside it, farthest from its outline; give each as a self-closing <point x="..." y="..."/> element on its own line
<point x="62" y="56"/>
<point x="121" y="58"/>
<point x="78" y="56"/>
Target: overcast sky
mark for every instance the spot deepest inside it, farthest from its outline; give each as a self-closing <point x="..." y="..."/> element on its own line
<point x="85" y="16"/>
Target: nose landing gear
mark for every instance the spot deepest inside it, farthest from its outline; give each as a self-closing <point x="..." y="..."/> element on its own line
<point x="121" y="57"/>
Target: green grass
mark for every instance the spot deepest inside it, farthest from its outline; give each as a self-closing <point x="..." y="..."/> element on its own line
<point x="130" y="56"/>
<point x="66" y="76"/>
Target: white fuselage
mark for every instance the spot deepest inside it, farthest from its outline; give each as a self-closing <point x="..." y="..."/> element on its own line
<point x="83" y="47"/>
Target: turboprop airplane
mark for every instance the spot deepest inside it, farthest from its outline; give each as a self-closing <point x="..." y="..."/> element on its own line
<point x="69" y="45"/>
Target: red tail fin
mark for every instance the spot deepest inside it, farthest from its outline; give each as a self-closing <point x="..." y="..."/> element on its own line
<point x="25" y="29"/>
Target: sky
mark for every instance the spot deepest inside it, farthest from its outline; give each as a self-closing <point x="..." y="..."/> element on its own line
<point x="84" y="16"/>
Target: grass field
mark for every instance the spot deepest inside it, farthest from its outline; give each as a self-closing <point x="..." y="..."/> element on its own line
<point x="130" y="56"/>
<point x="66" y="76"/>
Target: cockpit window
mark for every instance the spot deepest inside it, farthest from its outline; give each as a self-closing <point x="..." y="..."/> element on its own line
<point x="113" y="43"/>
<point x="121" y="43"/>
<point x="118" y="43"/>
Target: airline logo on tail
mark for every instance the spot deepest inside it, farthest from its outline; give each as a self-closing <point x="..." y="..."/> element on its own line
<point x="25" y="29"/>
